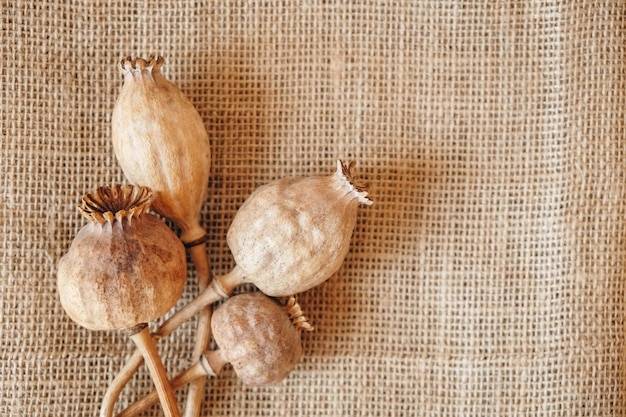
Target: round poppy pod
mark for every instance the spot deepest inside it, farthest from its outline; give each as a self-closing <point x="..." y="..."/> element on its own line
<point x="294" y="233"/>
<point x="257" y="337"/>
<point x="125" y="267"/>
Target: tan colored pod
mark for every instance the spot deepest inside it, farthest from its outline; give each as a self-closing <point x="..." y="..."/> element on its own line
<point x="257" y="337"/>
<point x="294" y="233"/>
<point x="160" y="142"/>
<point x="125" y="267"/>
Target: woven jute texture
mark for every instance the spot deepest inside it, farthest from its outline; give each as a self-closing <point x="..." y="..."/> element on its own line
<point x="486" y="280"/>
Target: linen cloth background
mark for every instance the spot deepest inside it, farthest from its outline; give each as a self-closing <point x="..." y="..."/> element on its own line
<point x="488" y="277"/>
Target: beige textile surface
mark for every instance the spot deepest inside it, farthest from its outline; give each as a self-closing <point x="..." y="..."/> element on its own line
<point x="487" y="278"/>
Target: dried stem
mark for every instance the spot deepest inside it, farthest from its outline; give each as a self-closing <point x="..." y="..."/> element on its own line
<point x="147" y="346"/>
<point x="190" y="374"/>
<point x="118" y="384"/>
<point x="195" y="393"/>
<point x="210" y="364"/>
<point x="219" y="288"/>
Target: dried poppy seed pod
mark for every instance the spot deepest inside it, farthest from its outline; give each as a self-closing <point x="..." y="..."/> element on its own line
<point x="294" y="233"/>
<point x="160" y="142"/>
<point x="258" y="338"/>
<point x="125" y="267"/>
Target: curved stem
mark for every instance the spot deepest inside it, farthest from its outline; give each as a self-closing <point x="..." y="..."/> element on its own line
<point x="219" y="288"/>
<point x="210" y="364"/>
<point x="147" y="346"/>
<point x="118" y="384"/>
<point x="195" y="393"/>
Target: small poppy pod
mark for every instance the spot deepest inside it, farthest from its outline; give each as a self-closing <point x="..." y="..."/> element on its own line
<point x="125" y="266"/>
<point x="258" y="337"/>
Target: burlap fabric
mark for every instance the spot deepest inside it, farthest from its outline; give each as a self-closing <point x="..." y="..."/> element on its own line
<point x="486" y="280"/>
